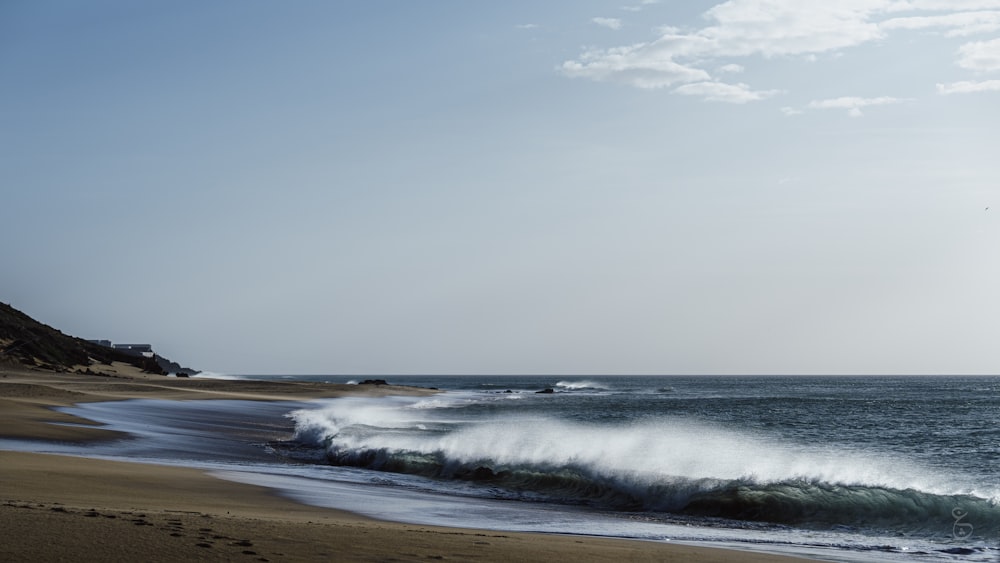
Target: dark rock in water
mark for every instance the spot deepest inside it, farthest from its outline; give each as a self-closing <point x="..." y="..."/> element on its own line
<point x="374" y="382"/>
<point x="508" y="391"/>
<point x="173" y="367"/>
<point x="547" y="391"/>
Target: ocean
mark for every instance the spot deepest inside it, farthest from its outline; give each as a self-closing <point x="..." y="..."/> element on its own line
<point x="836" y="468"/>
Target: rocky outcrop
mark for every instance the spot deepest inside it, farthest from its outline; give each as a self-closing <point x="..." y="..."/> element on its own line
<point x="173" y="367"/>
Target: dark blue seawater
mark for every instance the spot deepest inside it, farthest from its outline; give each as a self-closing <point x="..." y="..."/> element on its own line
<point x="841" y="468"/>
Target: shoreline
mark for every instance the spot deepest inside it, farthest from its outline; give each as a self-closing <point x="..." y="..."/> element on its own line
<point x="68" y="509"/>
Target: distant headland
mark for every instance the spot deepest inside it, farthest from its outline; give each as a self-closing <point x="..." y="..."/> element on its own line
<point x="29" y="343"/>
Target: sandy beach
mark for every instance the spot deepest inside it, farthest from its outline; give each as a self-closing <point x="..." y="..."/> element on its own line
<point x="68" y="508"/>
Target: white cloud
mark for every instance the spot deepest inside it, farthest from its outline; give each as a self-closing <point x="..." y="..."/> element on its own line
<point x="784" y="27"/>
<point x="638" y="7"/>
<point x="790" y="111"/>
<point x="610" y="23"/>
<point x="942" y="5"/>
<point x="739" y="28"/>
<point x="813" y="30"/>
<point x="853" y="104"/>
<point x="957" y="24"/>
<point x="638" y="65"/>
<point x="980" y="56"/>
<point x="769" y="28"/>
<point x="527" y="26"/>
<point x="968" y="87"/>
<point x="722" y="92"/>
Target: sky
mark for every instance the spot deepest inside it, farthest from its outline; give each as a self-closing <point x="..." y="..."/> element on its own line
<point x="452" y="187"/>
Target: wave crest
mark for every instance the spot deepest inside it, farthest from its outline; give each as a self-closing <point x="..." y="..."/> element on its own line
<point x="582" y="385"/>
<point x="668" y="465"/>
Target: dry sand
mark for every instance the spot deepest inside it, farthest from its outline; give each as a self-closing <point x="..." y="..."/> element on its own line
<point x="60" y="508"/>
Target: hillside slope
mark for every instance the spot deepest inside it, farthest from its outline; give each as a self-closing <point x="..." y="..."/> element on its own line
<point x="27" y="342"/>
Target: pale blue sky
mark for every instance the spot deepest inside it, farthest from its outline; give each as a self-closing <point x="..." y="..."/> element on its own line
<point x="752" y="186"/>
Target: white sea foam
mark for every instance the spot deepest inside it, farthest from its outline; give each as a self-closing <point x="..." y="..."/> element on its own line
<point x="579" y="385"/>
<point x="217" y="375"/>
<point x="641" y="454"/>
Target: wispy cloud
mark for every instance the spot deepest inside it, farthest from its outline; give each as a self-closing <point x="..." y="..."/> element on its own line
<point x="786" y="27"/>
<point x="958" y="24"/>
<point x="610" y="23"/>
<point x="639" y="7"/>
<point x="767" y="29"/>
<point x="941" y="5"/>
<point x="737" y="30"/>
<point x="526" y="26"/>
<point x="969" y="87"/>
<point x="853" y="104"/>
<point x="722" y="92"/>
<point x="980" y="56"/>
<point x="634" y="65"/>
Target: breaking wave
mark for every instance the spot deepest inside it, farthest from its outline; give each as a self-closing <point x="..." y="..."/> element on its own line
<point x="673" y="466"/>
<point x="217" y="375"/>
<point x="581" y="385"/>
